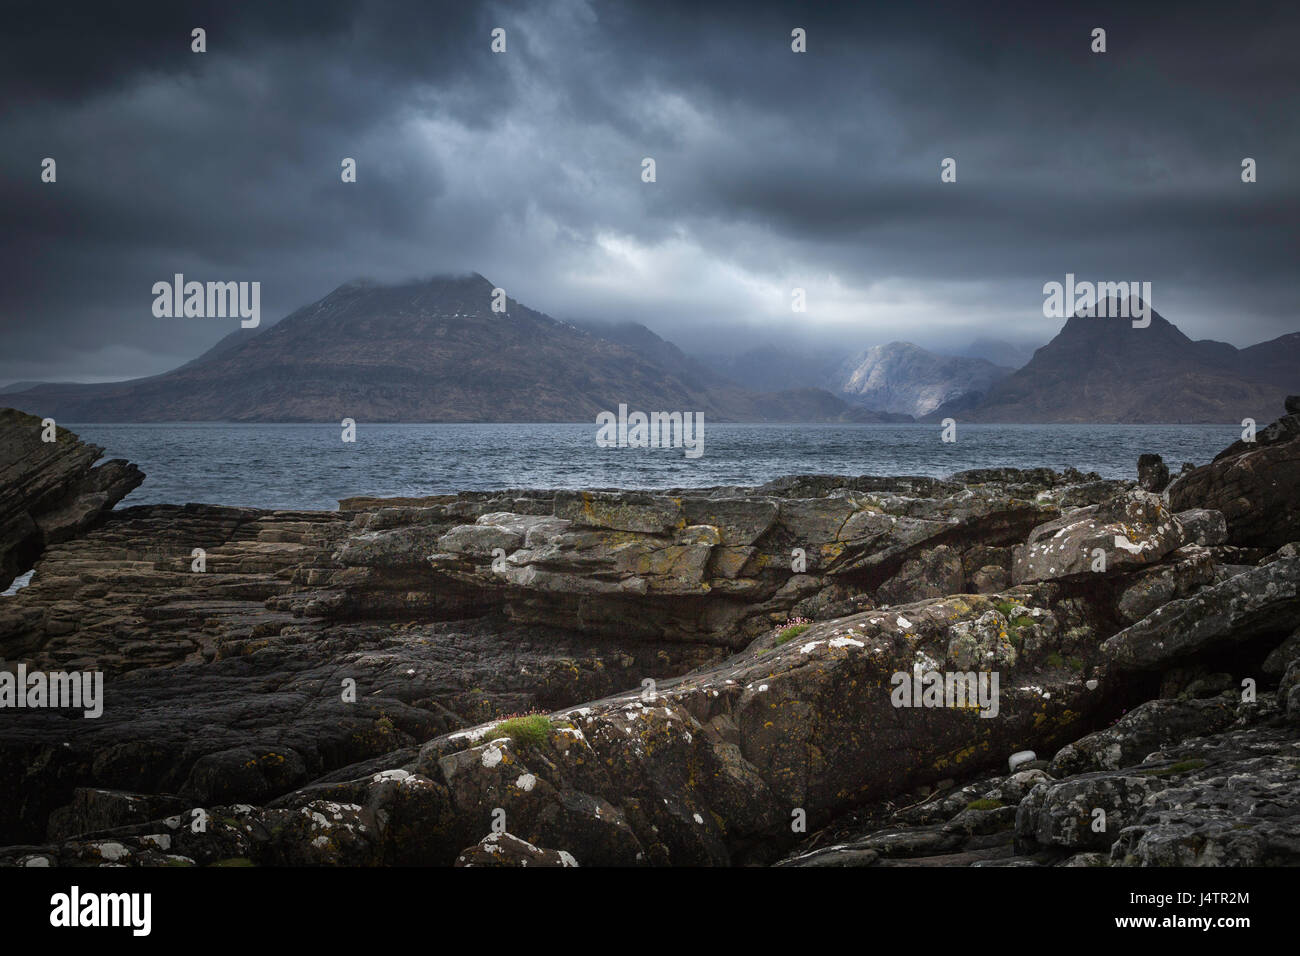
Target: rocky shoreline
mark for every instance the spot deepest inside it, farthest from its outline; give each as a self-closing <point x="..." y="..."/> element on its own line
<point x="709" y="674"/>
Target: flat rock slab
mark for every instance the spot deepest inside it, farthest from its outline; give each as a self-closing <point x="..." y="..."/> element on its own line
<point x="1257" y="601"/>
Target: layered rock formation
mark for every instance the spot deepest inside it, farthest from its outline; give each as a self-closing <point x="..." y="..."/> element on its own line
<point x="1253" y="484"/>
<point x="720" y="676"/>
<point x="50" y="490"/>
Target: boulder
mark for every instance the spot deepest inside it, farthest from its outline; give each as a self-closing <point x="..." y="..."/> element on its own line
<point x="1131" y="530"/>
<point x="1153" y="473"/>
<point x="1083" y="813"/>
<point x="1204" y="527"/>
<point x="1146" y="728"/>
<point x="505" y="849"/>
<point x="1183" y="572"/>
<point x="95" y="809"/>
<point x="1255" y="485"/>
<point x="990" y="579"/>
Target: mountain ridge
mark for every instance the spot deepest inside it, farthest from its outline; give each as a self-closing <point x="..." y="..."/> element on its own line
<point x="1100" y="370"/>
<point x="432" y="350"/>
<point x="429" y="350"/>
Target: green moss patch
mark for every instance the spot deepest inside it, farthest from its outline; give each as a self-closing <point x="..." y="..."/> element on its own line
<point x="1055" y="659"/>
<point x="791" y="631"/>
<point x="531" y="730"/>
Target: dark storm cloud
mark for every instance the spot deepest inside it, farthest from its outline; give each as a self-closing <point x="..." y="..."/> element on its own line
<point x="775" y="170"/>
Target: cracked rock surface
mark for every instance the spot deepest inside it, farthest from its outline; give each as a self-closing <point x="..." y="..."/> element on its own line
<point x="331" y="687"/>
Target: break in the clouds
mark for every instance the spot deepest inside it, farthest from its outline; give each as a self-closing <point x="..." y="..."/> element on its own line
<point x="775" y="170"/>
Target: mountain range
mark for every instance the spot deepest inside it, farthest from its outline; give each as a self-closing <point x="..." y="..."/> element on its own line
<point x="428" y="351"/>
<point x="1104" y="370"/>
<point x="435" y="351"/>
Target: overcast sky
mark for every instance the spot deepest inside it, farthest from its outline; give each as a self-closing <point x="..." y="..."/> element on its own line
<point x="775" y="170"/>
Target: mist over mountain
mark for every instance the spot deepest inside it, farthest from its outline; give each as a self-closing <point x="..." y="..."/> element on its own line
<point x="1103" y="370"/>
<point x="998" y="351"/>
<point x="435" y="351"/>
<point x="901" y="380"/>
<point x="772" y="368"/>
<point x="18" y="387"/>
<point x="905" y="378"/>
<point x="428" y="351"/>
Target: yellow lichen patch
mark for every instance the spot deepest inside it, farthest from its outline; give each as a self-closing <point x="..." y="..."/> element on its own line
<point x="832" y="550"/>
<point x="961" y="756"/>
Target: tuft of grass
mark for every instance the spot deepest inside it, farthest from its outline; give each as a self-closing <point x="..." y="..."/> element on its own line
<point x="530" y="730"/>
<point x="792" y="629"/>
<point x="985" y="804"/>
<point x="1014" y="624"/>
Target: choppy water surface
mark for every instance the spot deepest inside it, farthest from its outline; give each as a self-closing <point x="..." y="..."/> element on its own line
<point x="309" y="466"/>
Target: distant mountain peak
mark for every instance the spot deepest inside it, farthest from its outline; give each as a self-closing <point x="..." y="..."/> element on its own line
<point x="437" y="279"/>
<point x="904" y="378"/>
<point x="428" y="350"/>
<point x="1119" y="309"/>
<point x="454" y="278"/>
<point x="1103" y="369"/>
